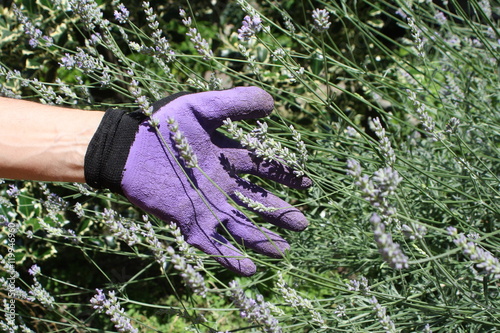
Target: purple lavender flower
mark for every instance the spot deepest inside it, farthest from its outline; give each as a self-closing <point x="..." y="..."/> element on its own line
<point x="384" y="318"/>
<point x="453" y="41"/>
<point x="402" y="13"/>
<point x="389" y="250"/>
<point x="33" y="42"/>
<point x="386" y="181"/>
<point x="485" y="6"/>
<point x="186" y="20"/>
<point x="250" y="27"/>
<point x="89" y="12"/>
<point x="82" y="61"/>
<point x="34" y="270"/>
<point x="483" y="258"/>
<point x="182" y="145"/>
<point x="140" y="99"/>
<point x="189" y="274"/>
<point x="293" y="298"/>
<point x="385" y="146"/>
<point x="13" y="191"/>
<point x="35" y="34"/>
<point x="417" y="36"/>
<point x="321" y="19"/>
<point x="163" y="49"/>
<point x="54" y="204"/>
<point x="427" y="121"/>
<point x="95" y="38"/>
<point x="98" y="300"/>
<point x="122" y="14"/>
<point x="414" y="231"/>
<point x="440" y="18"/>
<point x="199" y="42"/>
<point x="78" y="209"/>
<point x="68" y="61"/>
<point x="124" y="230"/>
<point x="4" y="221"/>
<point x="376" y="189"/>
<point x="37" y="291"/>
<point x="255" y="310"/>
<point x="360" y="284"/>
<point x="113" y="308"/>
<point x="353" y="168"/>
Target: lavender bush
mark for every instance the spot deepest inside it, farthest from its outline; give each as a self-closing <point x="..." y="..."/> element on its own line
<point x="390" y="107"/>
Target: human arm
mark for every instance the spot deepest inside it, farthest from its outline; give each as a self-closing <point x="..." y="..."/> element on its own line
<point x="43" y="142"/>
<point x="145" y="159"/>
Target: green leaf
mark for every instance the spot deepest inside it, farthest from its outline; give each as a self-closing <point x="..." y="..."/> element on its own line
<point x="26" y="206"/>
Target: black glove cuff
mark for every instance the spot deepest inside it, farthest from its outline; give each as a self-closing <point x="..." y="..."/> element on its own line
<point x="108" y="150"/>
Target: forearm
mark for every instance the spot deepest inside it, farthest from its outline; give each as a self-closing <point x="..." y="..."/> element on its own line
<point x="41" y="142"/>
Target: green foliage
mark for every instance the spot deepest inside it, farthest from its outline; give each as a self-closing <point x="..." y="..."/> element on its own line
<point x="432" y="82"/>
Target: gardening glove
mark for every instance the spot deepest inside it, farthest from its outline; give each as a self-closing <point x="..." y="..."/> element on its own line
<point x="152" y="168"/>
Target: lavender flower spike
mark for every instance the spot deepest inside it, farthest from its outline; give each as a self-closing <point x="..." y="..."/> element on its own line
<point x="250" y="27"/>
<point x="113" y="308"/>
<point x="199" y="42"/>
<point x="39" y="293"/>
<point x="255" y="310"/>
<point x="189" y="274"/>
<point x="122" y="14"/>
<point x="321" y="19"/>
<point x="483" y="258"/>
<point x="384" y="318"/>
<point x="34" y="270"/>
<point x="89" y="13"/>
<point x="389" y="250"/>
<point x="297" y="301"/>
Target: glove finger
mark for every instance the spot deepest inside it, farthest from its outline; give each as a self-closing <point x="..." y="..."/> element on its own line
<point x="237" y="103"/>
<point x="256" y="238"/>
<point x="242" y="161"/>
<point x="274" y="210"/>
<point x="226" y="254"/>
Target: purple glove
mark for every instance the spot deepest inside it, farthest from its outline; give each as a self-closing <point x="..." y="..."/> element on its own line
<point x="128" y="156"/>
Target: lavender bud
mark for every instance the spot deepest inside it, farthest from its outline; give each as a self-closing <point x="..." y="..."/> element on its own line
<point x="122" y="14"/>
<point x="254" y="310"/>
<point x="389" y="250"/>
<point x="321" y="19"/>
<point x="250" y="27"/>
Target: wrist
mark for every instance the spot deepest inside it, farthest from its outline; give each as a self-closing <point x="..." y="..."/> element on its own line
<point x="42" y="142"/>
<point x="108" y="150"/>
<point x="70" y="143"/>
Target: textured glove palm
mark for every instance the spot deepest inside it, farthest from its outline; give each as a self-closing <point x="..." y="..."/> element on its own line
<point x="148" y="169"/>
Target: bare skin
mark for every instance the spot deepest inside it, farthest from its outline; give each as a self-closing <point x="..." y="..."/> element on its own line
<point x="42" y="142"/>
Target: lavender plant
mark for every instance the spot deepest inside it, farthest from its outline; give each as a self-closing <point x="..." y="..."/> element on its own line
<point x="391" y="108"/>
